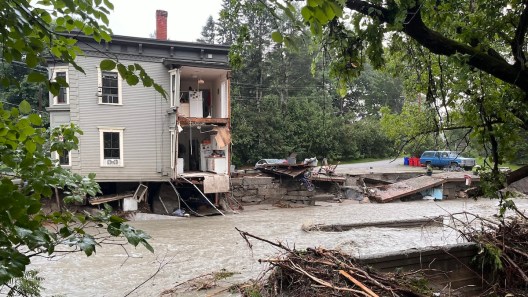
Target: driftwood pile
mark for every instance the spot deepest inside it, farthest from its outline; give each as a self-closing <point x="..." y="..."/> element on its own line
<point x="321" y="272"/>
<point x="503" y="250"/>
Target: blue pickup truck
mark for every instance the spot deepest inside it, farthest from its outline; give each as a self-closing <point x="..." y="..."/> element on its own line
<point x="444" y="159"/>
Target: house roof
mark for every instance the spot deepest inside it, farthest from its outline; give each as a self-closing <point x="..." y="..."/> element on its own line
<point x="171" y="53"/>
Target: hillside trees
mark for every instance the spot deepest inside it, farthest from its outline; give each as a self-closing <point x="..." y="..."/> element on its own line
<point x="280" y="105"/>
<point x="31" y="34"/>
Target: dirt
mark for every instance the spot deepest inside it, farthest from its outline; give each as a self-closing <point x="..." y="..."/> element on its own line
<point x="198" y="246"/>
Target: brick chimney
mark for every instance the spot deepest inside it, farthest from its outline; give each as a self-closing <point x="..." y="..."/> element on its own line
<point x="161" y="24"/>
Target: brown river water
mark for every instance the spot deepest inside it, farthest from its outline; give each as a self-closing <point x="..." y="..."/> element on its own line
<point x="196" y="246"/>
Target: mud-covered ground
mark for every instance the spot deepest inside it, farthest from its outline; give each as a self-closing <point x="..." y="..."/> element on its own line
<point x="196" y="246"/>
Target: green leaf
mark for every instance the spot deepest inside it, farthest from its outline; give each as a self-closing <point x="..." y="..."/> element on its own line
<point x="31" y="60"/>
<point x="148" y="246"/>
<point x="24" y="107"/>
<point x="36" y="77"/>
<point x="312" y="3"/>
<point x="35" y="119"/>
<point x="122" y="70"/>
<point x="132" y="80"/>
<point x="30" y="146"/>
<point x="307" y="13"/>
<point x="116" y="219"/>
<point x="107" y="64"/>
<point x="277" y="37"/>
<point x="87" y="244"/>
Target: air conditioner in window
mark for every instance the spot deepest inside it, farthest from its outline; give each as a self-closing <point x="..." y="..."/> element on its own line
<point x="112" y="162"/>
<point x="110" y="98"/>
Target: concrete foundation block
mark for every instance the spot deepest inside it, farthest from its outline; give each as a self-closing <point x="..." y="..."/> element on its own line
<point x="301" y="193"/>
<point x="257" y="180"/>
<point x="236" y="181"/>
<point x="250" y="199"/>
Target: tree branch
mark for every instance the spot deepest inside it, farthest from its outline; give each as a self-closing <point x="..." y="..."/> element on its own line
<point x="518" y="40"/>
<point x="415" y="28"/>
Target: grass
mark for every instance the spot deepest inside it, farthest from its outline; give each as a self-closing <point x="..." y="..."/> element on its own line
<point x="480" y="161"/>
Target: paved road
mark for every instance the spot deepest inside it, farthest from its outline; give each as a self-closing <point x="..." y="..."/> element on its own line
<point x="382" y="166"/>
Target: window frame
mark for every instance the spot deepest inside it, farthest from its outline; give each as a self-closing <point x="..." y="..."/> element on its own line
<point x="100" y="87"/>
<point x="57" y="157"/>
<point x="172" y="148"/>
<point x="103" y="130"/>
<point x="55" y="70"/>
<point x="174" y="88"/>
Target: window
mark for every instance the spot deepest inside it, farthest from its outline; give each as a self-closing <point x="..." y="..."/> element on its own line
<point x="109" y="84"/>
<point x="111" y="147"/>
<point x="173" y="147"/>
<point x="174" y="87"/>
<point x="64" y="159"/>
<point x="61" y="74"/>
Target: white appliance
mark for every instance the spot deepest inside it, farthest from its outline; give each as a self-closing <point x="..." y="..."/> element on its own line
<point x="205" y="152"/>
<point x="179" y="166"/>
<point x="195" y="104"/>
<point x="217" y="165"/>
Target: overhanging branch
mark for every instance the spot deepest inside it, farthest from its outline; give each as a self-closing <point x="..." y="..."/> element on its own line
<point x="415" y="28"/>
<point x="517" y="42"/>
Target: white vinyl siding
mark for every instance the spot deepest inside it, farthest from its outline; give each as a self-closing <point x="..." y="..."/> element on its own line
<point x="146" y="139"/>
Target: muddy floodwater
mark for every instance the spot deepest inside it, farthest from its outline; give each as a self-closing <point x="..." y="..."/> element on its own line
<point x="196" y="246"/>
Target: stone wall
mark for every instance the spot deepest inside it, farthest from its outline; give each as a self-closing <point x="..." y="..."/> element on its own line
<point x="264" y="189"/>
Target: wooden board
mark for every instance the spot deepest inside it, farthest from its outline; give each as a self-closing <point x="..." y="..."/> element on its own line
<point x="405" y="188"/>
<point x="292" y="170"/>
<point x="411" y="186"/>
<point x="99" y="200"/>
<point x="328" y="178"/>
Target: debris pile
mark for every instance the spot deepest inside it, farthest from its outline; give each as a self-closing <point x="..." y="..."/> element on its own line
<point x="504" y="250"/>
<point x="321" y="272"/>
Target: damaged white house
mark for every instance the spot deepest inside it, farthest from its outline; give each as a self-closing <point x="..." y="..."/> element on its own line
<point x="131" y="134"/>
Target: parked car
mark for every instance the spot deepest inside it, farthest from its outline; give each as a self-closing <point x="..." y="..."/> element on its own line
<point x="267" y="162"/>
<point x="444" y="159"/>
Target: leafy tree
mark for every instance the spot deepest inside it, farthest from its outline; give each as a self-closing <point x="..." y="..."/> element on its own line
<point x="278" y="99"/>
<point x="469" y="54"/>
<point x="228" y="25"/>
<point x="208" y="32"/>
<point x="370" y="91"/>
<point x="27" y="173"/>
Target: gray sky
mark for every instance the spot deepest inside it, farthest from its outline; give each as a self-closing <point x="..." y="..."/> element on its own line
<point x="185" y="17"/>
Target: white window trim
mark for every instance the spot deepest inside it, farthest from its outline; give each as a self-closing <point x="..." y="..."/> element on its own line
<point x="172" y="148"/>
<point x="102" y="130"/>
<point x="100" y="87"/>
<point x="55" y="156"/>
<point x="54" y="71"/>
<point x="174" y="85"/>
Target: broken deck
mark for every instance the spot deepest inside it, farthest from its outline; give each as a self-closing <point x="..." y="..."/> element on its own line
<point x="415" y="185"/>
